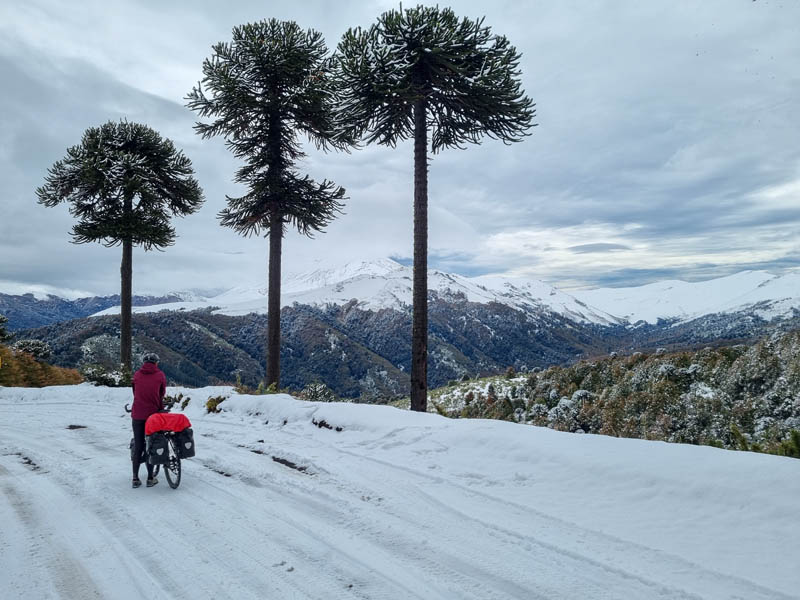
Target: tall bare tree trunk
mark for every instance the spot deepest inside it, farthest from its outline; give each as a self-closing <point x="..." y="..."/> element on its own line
<point x="126" y="275"/>
<point x="419" y="327"/>
<point x="274" y="300"/>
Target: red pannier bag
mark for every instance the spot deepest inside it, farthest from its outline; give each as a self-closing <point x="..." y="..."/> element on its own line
<point x="184" y="436"/>
<point x="166" y="422"/>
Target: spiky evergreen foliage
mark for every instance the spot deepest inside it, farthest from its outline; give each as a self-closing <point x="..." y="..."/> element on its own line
<point x="123" y="183"/>
<point x="423" y="70"/>
<point x="4" y="335"/>
<point x="271" y="83"/>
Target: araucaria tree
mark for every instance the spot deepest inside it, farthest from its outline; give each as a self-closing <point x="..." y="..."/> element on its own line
<point x="423" y="70"/>
<point x="271" y="83"/>
<point x="123" y="182"/>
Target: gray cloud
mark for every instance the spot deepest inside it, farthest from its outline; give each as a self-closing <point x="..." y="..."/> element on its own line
<point x="667" y="133"/>
<point x="599" y="247"/>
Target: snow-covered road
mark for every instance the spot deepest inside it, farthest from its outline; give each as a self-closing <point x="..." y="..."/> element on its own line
<point x="395" y="506"/>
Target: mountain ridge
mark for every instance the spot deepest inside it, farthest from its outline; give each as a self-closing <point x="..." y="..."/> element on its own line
<point x="351" y="327"/>
<point x="376" y="285"/>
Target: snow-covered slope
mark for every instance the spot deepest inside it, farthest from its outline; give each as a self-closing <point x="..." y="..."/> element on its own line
<point x="396" y="505"/>
<point x="770" y="295"/>
<point x="388" y="284"/>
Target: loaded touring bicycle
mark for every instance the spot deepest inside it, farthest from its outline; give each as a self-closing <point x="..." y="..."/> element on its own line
<point x="169" y="438"/>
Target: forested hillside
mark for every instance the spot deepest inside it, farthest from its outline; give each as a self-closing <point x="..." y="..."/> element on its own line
<point x="363" y="353"/>
<point x="26" y="311"/>
<point x="743" y="396"/>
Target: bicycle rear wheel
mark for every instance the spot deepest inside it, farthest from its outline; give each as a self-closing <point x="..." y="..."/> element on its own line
<point x="172" y="469"/>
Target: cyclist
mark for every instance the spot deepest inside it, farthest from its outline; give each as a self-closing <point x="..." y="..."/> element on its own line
<point x="149" y="386"/>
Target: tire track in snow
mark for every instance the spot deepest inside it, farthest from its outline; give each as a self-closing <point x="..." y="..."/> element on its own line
<point x="303" y="526"/>
<point x="410" y="553"/>
<point x="476" y="581"/>
<point x="614" y="549"/>
<point x="66" y="573"/>
<point x="246" y="530"/>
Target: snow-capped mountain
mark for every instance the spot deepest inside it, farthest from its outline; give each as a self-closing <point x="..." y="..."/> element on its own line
<point x="764" y="294"/>
<point x="382" y="284"/>
<point x="387" y="284"/>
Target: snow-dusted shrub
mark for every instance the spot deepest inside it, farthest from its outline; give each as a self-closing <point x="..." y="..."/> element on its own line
<point x="666" y="370"/>
<point x="581" y="396"/>
<point x="563" y="416"/>
<point x="318" y="392"/>
<point x="101" y="375"/>
<point x="38" y="349"/>
<point x="5" y="336"/>
<point x="537" y="414"/>
<point x="491" y="394"/>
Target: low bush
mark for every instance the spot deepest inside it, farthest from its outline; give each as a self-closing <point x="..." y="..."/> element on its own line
<point x="101" y="375"/>
<point x="180" y="400"/>
<point x="212" y="404"/>
<point x="20" y="369"/>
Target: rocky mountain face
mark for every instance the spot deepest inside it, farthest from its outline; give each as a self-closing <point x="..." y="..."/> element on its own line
<point x="351" y="327"/>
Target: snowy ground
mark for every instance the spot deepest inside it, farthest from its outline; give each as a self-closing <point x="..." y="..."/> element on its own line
<point x="395" y="506"/>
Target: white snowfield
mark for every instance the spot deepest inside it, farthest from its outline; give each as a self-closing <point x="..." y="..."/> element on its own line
<point x="379" y="284"/>
<point x="771" y="295"/>
<point x="396" y="505"/>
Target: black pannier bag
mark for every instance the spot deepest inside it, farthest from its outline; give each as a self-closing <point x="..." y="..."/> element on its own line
<point x="157" y="449"/>
<point x="133" y="445"/>
<point x="185" y="442"/>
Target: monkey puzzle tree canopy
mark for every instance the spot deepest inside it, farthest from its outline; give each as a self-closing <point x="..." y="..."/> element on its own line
<point x="467" y="77"/>
<point x="123" y="183"/>
<point x="419" y="70"/>
<point x="271" y="83"/>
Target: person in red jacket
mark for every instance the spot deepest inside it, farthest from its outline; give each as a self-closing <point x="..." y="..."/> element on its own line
<point x="149" y="386"/>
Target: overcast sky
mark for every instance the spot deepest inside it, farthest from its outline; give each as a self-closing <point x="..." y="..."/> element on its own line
<point x="667" y="146"/>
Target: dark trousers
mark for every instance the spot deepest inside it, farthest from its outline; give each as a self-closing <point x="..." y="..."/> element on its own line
<point x="138" y="448"/>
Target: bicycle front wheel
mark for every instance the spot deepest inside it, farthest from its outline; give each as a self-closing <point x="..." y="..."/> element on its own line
<point x="172" y="469"/>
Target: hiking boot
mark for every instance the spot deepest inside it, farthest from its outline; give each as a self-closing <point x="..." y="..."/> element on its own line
<point x="152" y="482"/>
<point x="137" y="482"/>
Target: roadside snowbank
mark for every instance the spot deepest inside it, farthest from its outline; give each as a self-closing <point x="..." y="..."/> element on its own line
<point x="395" y="504"/>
